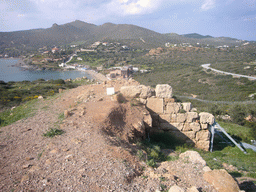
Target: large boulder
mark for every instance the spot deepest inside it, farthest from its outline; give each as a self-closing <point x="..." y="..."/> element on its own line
<point x="193" y="157"/>
<point x="176" y="188"/>
<point x="221" y="180"/>
<point x="206" y="118"/>
<point x="139" y="91"/>
<point x="164" y="91"/>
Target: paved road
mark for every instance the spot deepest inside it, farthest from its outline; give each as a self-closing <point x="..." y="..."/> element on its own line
<point x="207" y="66"/>
<point x="217" y="102"/>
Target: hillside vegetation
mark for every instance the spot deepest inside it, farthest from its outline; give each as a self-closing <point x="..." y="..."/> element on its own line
<point x="21" y="42"/>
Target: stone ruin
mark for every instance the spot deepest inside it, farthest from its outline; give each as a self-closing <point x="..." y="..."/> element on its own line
<point x="173" y="117"/>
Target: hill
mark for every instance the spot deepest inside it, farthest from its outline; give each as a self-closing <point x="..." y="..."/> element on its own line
<point x="81" y="31"/>
<point x="197" y="36"/>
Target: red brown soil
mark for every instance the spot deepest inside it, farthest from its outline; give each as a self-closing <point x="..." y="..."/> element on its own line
<point x="94" y="154"/>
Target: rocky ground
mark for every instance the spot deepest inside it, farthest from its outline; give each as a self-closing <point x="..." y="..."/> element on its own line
<point x="94" y="153"/>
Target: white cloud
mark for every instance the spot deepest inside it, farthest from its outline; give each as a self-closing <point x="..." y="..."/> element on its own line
<point x="132" y="7"/>
<point x="20" y="15"/>
<point x="208" y="4"/>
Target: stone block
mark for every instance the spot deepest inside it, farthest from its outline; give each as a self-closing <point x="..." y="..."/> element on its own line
<point x="221" y="180"/>
<point x="146" y="92"/>
<point x="192" y="116"/>
<point x="163" y="91"/>
<point x="195" y="126"/>
<point x="156" y="105"/>
<point x="169" y="100"/>
<point x="203" y="135"/>
<point x="204" y="145"/>
<point x="206" y="118"/>
<point x="172" y="126"/>
<point x="168" y="126"/>
<point x="190" y="134"/>
<point x="181" y="117"/>
<point x="141" y="91"/>
<point x="173" y="107"/>
<point x="173" y="118"/>
<point x="187" y="106"/>
<point x="204" y="125"/>
<point x="130" y="91"/>
<point x="179" y="136"/>
<point x="187" y="127"/>
<point x="165" y="118"/>
<point x="178" y="126"/>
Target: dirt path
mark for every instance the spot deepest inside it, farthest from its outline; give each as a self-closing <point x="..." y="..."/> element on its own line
<point x="83" y="158"/>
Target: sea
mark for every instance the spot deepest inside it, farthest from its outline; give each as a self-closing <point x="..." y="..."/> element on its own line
<point x="8" y="72"/>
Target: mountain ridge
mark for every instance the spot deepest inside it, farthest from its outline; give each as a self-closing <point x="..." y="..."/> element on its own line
<point x="78" y="30"/>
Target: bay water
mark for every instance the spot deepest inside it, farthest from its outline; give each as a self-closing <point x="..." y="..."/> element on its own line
<point x="8" y="72"/>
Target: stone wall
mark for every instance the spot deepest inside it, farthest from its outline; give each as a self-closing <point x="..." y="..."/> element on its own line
<point x="179" y="119"/>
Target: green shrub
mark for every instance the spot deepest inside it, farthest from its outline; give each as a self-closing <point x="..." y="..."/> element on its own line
<point x="252" y="126"/>
<point x="151" y="163"/>
<point x="141" y="155"/>
<point x="58" y="81"/>
<point x="237" y="113"/>
<point x="52" y="132"/>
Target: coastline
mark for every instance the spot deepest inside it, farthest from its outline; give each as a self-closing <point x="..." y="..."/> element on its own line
<point x="92" y="74"/>
<point x="97" y="76"/>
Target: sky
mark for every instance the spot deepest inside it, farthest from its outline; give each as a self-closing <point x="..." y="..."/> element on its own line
<point x="228" y="18"/>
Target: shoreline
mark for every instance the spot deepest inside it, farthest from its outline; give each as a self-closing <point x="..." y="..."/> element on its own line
<point x="97" y="76"/>
<point x="91" y="74"/>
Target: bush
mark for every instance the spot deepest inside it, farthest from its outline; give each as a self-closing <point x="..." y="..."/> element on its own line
<point x="58" y="81"/>
<point x="251" y="125"/>
<point x="238" y="114"/>
<point x="52" y="132"/>
<point x="151" y="163"/>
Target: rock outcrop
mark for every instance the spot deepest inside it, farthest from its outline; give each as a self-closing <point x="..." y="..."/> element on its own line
<point x="221" y="180"/>
<point x="193" y="157"/>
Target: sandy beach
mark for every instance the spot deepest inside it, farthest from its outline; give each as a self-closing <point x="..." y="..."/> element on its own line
<point x="98" y="76"/>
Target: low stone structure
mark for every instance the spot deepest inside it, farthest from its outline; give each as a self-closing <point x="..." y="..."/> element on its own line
<point x="177" y="119"/>
<point x="173" y="117"/>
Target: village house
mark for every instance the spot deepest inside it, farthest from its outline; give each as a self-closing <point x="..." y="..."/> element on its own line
<point x="45" y="52"/>
<point x="95" y="44"/>
<point x="126" y="71"/>
<point x="116" y="73"/>
<point x="105" y="43"/>
<point x="87" y="50"/>
<point x="55" y="50"/>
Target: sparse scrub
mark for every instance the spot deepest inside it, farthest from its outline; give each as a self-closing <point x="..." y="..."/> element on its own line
<point x="23" y="111"/>
<point x="15" y="93"/>
<point x="53" y="132"/>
